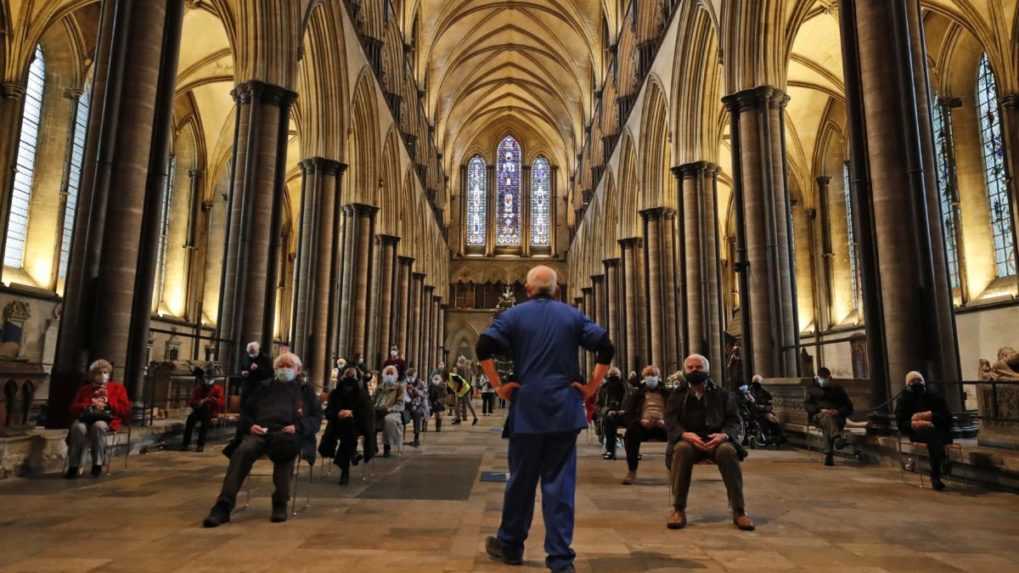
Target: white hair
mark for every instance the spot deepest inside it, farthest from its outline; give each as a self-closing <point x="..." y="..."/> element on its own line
<point x="702" y="358"/>
<point x="288" y="358"/>
<point x="651" y="371"/>
<point x="914" y="375"/>
<point x="254" y="345"/>
<point x="543" y="280"/>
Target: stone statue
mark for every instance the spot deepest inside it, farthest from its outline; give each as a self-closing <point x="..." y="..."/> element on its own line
<point x="1005" y="368"/>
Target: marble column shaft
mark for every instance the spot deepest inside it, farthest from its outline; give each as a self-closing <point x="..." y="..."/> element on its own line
<point x="426" y="326"/>
<point x="613" y="308"/>
<point x="634" y="320"/>
<point x="660" y="304"/>
<point x="358" y="271"/>
<point x="403" y="296"/>
<point x="770" y="325"/>
<point x="908" y="308"/>
<point x="313" y="279"/>
<point x="414" y="326"/>
<point x="388" y="278"/>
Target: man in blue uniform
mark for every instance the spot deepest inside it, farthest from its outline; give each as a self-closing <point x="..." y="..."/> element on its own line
<point x="543" y="336"/>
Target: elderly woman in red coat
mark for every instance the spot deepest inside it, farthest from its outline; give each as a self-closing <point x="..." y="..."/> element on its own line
<point x="100" y="407"/>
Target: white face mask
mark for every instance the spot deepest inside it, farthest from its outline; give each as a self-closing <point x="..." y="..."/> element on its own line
<point x="252" y="353"/>
<point x="651" y="382"/>
<point x="389" y="379"/>
<point x="393" y="353"/>
<point x="436" y="380"/>
<point x="286" y="374"/>
<point x="106" y="377"/>
<point x="822" y="382"/>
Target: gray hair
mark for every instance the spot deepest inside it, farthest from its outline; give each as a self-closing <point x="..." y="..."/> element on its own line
<point x="543" y="280"/>
<point x="255" y="345"/>
<point x="288" y="358"/>
<point x="702" y="358"/>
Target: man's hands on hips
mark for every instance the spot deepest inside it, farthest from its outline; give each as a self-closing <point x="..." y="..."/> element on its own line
<point x="587" y="391"/>
<point x="505" y="391"/>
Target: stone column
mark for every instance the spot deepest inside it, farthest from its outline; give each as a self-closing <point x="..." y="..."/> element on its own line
<point x="12" y="102"/>
<point x="417" y="284"/>
<point x="770" y="322"/>
<point x="907" y="306"/>
<point x="702" y="264"/>
<point x="436" y="333"/>
<point x="443" y="355"/>
<point x="657" y="227"/>
<point x="313" y="278"/>
<point x="672" y="323"/>
<point x="388" y="277"/>
<point x="634" y="320"/>
<point x="405" y="268"/>
<point x="355" y="326"/>
<point x="823" y="319"/>
<point x="598" y="286"/>
<point x="134" y="81"/>
<point x="613" y="320"/>
<point x="426" y="326"/>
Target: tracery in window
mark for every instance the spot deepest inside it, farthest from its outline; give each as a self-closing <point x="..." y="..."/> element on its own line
<point x="28" y="144"/>
<point x="541" y="200"/>
<point x="507" y="186"/>
<point x="74" y="172"/>
<point x="993" y="151"/>
<point x="943" y="143"/>
<point x="477" y="201"/>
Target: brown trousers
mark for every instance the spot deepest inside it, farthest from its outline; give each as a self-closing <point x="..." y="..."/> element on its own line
<point x="725" y="457"/>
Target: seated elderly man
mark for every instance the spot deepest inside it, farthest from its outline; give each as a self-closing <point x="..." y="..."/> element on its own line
<point x="828" y="406"/>
<point x="923" y="416"/>
<point x="644" y="416"/>
<point x="703" y="423"/>
<point x="270" y="419"/>
<point x="100" y="407"/>
<point x="611" y="398"/>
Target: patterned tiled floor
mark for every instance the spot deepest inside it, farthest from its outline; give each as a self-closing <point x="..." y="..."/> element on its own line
<point x="429" y="511"/>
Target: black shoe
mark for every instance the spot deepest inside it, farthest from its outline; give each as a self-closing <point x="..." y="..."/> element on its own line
<point x="279" y="512"/>
<point x="608" y="456"/>
<point x="829" y="460"/>
<point x="218" y="515"/>
<point x="97" y="471"/>
<point x="185" y="447"/>
<point x="937" y="484"/>
<point x="840" y="443"/>
<point x="386" y="451"/>
<point x="200" y="449"/>
<point x="72" y="473"/>
<point x="568" y="569"/>
<point x="497" y="551"/>
<point x="344" y="478"/>
<point x="229" y="449"/>
<point x="416" y="444"/>
<point x="356" y="460"/>
<point x="475" y="423"/>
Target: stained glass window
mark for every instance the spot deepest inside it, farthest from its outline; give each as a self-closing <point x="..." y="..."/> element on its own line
<point x="507" y="186"/>
<point x="847" y="198"/>
<point x="477" y="201"/>
<point x="24" y="175"/>
<point x="993" y="150"/>
<point x="541" y="200"/>
<point x="74" y="170"/>
<point x="940" y="121"/>
<point x="164" y="227"/>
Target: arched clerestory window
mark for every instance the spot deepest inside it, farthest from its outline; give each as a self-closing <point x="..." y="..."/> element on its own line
<point x="75" y="165"/>
<point x="28" y="143"/>
<point x="941" y="123"/>
<point x="507" y="186"/>
<point x="477" y="202"/>
<point x="854" y="268"/>
<point x="993" y="150"/>
<point x="541" y="203"/>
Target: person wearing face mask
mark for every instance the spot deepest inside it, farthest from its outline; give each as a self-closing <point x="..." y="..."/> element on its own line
<point x="394" y="359"/>
<point x="644" y="417"/>
<point x="255" y="371"/>
<point x="206" y="403"/>
<point x="923" y="416"/>
<point x="419" y="404"/>
<point x="100" y="407"/>
<point x="703" y="423"/>
<point x="437" y="399"/>
<point x="348" y="414"/>
<point x="270" y="422"/>
<point x="390" y="403"/>
<point x="828" y="406"/>
<point x="611" y="398"/>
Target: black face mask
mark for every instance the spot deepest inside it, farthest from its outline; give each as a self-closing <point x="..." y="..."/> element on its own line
<point x="918" y="388"/>
<point x="697" y="377"/>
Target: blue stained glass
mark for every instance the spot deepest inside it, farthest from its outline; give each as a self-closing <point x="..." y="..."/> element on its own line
<point x="507" y="173"/>
<point x="477" y="201"/>
<point x="541" y="201"/>
<point x="993" y="151"/>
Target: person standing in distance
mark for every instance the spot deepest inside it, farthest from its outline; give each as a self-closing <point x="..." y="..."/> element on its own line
<point x="542" y="335"/>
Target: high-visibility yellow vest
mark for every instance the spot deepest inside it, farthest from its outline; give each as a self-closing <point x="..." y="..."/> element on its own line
<point x="465" y="386"/>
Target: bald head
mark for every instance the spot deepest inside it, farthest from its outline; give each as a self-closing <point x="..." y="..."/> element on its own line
<point x="541" y="281"/>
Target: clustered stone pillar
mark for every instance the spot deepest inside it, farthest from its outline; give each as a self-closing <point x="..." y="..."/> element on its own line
<point x="770" y="324"/>
<point x="358" y="233"/>
<point x="702" y="304"/>
<point x="598" y="287"/>
<point x="442" y="333"/>
<point x="12" y="102"/>
<point x="403" y="296"/>
<point x="437" y="333"/>
<point x="908" y="312"/>
<point x="426" y="327"/>
<point x="247" y="312"/>
<point x="106" y="314"/>
<point x="315" y="273"/>
<point x="633" y="317"/>
<point x="386" y="296"/>
<point x="613" y="324"/>
<point x="659" y="225"/>
<point x="417" y="285"/>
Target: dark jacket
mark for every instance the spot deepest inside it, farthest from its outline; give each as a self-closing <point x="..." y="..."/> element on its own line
<point x="612" y="395"/>
<point x="273" y="405"/>
<point x="829" y="396"/>
<point x="254" y="371"/>
<point x="310" y="422"/>
<point x="912" y="402"/>
<point x="633" y="404"/>
<point x="721" y="415"/>
<point x="353" y="397"/>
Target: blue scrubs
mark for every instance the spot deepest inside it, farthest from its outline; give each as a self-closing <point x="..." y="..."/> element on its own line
<point x="544" y="337"/>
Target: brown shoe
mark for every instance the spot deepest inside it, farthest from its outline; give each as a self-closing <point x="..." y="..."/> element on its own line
<point x="677" y="520"/>
<point x="630" y="478"/>
<point x="743" y="521"/>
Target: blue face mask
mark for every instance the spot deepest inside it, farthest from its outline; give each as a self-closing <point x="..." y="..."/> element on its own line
<point x="822" y="382"/>
<point x="651" y="382"/>
<point x="286" y="374"/>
